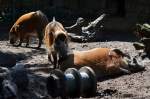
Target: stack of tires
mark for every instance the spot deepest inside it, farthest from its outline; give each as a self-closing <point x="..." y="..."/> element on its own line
<point x="72" y="83"/>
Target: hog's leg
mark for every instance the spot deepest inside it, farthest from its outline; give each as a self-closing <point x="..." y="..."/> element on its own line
<point x="20" y="41"/>
<point x="27" y="41"/>
<point x="40" y="39"/>
<point x="53" y="59"/>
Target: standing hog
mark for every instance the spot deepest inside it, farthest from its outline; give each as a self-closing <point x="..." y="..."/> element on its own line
<point x="30" y="24"/>
<point x="56" y="41"/>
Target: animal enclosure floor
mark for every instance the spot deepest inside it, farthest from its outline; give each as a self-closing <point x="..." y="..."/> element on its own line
<point x="133" y="86"/>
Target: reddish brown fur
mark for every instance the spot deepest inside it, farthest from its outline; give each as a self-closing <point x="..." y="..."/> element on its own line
<point x="52" y="31"/>
<point x="53" y="28"/>
<point x="102" y="60"/>
<point x="30" y="24"/>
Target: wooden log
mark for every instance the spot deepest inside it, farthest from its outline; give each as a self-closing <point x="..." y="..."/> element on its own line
<point x="93" y="24"/>
<point x="76" y="28"/>
<point x="80" y="33"/>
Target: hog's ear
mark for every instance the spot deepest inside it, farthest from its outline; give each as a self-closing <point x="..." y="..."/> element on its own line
<point x="16" y="27"/>
<point x="11" y="30"/>
<point x="35" y="14"/>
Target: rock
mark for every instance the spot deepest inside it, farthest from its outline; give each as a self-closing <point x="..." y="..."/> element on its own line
<point x="138" y="46"/>
<point x="136" y="65"/>
<point x="1" y="80"/>
<point x="7" y="59"/>
<point x="9" y="90"/>
<point x="146" y="41"/>
<point x="19" y="76"/>
<point x="142" y="30"/>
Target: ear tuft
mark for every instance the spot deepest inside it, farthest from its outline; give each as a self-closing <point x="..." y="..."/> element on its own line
<point x="54" y="19"/>
<point x="16" y="27"/>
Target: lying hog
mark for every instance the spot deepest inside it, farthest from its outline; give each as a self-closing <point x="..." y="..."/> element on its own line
<point x="103" y="61"/>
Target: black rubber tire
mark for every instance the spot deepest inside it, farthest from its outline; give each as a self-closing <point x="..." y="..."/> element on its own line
<point x="55" y="87"/>
<point x="77" y="76"/>
<point x="93" y="81"/>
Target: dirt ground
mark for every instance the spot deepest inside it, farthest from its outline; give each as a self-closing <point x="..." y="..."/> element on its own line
<point x="133" y="86"/>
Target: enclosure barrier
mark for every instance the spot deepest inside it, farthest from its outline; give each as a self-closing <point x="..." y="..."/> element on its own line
<point x="72" y="83"/>
<point x="12" y="81"/>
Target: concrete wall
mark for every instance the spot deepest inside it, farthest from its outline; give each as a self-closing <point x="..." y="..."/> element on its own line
<point x="120" y="17"/>
<point x="135" y="11"/>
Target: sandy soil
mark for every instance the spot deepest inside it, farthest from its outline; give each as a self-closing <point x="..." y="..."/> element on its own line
<point x="133" y="86"/>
